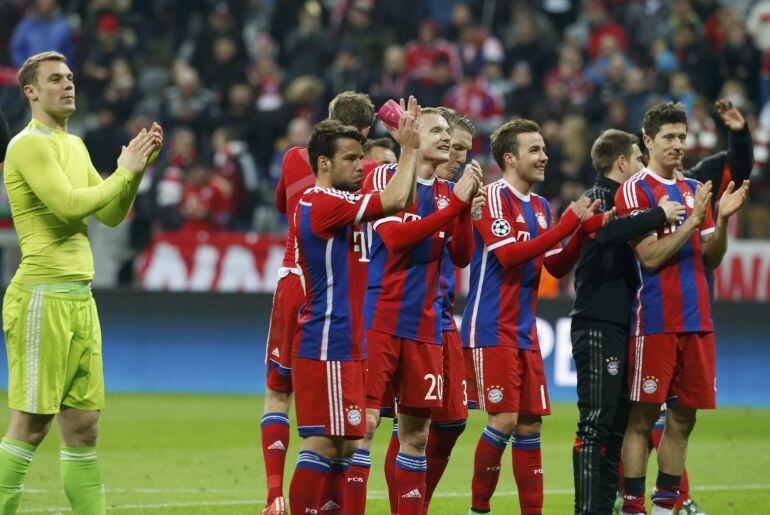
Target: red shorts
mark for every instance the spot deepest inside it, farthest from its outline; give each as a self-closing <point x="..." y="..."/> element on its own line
<point x="388" y="404"/>
<point x="329" y="398"/>
<point x="412" y="368"/>
<point x="507" y="380"/>
<point x="455" y="405"/>
<point x="288" y="298"/>
<point x="675" y="367"/>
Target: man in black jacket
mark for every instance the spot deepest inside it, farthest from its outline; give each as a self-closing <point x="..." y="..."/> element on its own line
<point x="604" y="287"/>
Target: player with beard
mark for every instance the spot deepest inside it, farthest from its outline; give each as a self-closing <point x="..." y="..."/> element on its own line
<point x="329" y="348"/>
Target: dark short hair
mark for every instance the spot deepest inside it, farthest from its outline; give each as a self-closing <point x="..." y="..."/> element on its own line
<point x="456" y="120"/>
<point x="610" y="145"/>
<point x="324" y="137"/>
<point x="28" y="72"/>
<point x="504" y="139"/>
<point x="659" y="115"/>
<point x="379" y="142"/>
<point x="352" y="108"/>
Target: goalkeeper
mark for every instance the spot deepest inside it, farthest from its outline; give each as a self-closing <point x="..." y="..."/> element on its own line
<point x="50" y="323"/>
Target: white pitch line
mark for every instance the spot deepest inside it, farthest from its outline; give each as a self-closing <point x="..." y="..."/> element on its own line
<point x="375" y="495"/>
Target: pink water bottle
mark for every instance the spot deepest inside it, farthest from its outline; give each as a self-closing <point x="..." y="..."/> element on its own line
<point x="390" y="113"/>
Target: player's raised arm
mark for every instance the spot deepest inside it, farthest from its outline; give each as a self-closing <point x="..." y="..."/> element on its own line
<point x="399" y="193"/>
<point x="716" y="244"/>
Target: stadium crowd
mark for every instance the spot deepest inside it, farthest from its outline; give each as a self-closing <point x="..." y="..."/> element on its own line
<point x="237" y="83"/>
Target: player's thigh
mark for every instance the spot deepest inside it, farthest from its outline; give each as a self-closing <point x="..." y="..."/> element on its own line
<point x="694" y="382"/>
<point x="651" y="363"/>
<point x="455" y="397"/>
<point x="382" y="351"/>
<point x="329" y="398"/>
<point x="84" y="379"/>
<point x="287" y="301"/>
<point x="498" y="378"/>
<point x="533" y="393"/>
<point x="38" y="336"/>
<point x="78" y="428"/>
<point x="420" y="380"/>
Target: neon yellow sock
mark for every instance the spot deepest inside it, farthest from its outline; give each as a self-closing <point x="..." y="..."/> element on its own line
<point x="82" y="480"/>
<point x="15" y="457"/>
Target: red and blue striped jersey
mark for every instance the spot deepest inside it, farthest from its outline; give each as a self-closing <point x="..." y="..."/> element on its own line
<point x="296" y="177"/>
<point x="448" y="280"/>
<point x="330" y="247"/>
<point x="674" y="298"/>
<point x="501" y="305"/>
<point x="403" y="291"/>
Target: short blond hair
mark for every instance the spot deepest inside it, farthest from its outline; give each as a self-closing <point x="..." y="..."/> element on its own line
<point x="28" y="71"/>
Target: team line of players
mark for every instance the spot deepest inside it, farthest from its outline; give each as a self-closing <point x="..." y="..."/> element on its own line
<point x="362" y="322"/>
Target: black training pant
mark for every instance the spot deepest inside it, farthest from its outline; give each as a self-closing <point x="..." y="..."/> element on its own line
<point x="601" y="359"/>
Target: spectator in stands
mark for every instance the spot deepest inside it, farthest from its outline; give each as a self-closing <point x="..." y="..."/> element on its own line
<point x="239" y="113"/>
<point x="527" y="40"/>
<point x="637" y="96"/>
<point x="206" y="200"/>
<point x="697" y="60"/>
<point x="106" y="47"/>
<point x="422" y="53"/>
<point x="680" y="90"/>
<point x="42" y="29"/>
<point x="224" y="69"/>
<point x="188" y="103"/>
<point x="758" y="25"/>
<point x="741" y="60"/>
<point x="524" y="95"/>
<point x="308" y="48"/>
<point x="569" y="75"/>
<point x="391" y="82"/>
<point x="368" y="39"/>
<point x="476" y="100"/>
<point x="601" y="26"/>
<point x="121" y="93"/>
<point x="380" y="150"/>
<point x="346" y="73"/>
<point x="237" y="170"/>
<point x="477" y="46"/>
<point x="219" y="23"/>
<point x="432" y="92"/>
<point x="105" y="141"/>
<point x="297" y="135"/>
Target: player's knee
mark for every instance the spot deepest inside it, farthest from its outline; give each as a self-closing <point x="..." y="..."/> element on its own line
<point x="372" y="422"/>
<point x="529" y="425"/>
<point x="414" y="441"/>
<point x="28" y="427"/>
<point x="681" y="422"/>
<point x="503" y="422"/>
<point x="277" y="402"/>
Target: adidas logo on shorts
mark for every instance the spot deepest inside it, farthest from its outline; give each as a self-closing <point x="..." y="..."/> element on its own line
<point x="276" y="446"/>
<point x="413" y="494"/>
<point x="276" y="352"/>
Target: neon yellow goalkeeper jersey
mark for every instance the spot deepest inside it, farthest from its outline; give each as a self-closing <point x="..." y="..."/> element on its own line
<point x="52" y="189"/>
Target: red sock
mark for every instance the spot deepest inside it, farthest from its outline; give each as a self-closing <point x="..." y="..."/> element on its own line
<point x="528" y="471"/>
<point x="307" y="482"/>
<point x="357" y="478"/>
<point x="666" y="490"/>
<point x="441" y="440"/>
<point x="486" y="467"/>
<point x="390" y="468"/>
<point x="333" y="493"/>
<point x="684" y="490"/>
<point x="410" y="479"/>
<point x="275" y="443"/>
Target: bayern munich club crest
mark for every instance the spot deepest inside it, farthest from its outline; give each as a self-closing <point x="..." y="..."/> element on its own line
<point x="494" y="394"/>
<point x="541" y="221"/>
<point x="354" y="415"/>
<point x="613" y="366"/>
<point x="689" y="200"/>
<point x="501" y="227"/>
<point x="650" y="385"/>
<point x="442" y="202"/>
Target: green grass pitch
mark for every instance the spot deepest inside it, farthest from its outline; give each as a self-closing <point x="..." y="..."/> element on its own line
<point x="196" y="454"/>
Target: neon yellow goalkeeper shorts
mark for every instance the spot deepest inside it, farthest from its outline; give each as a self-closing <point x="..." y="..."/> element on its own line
<point x="54" y="346"/>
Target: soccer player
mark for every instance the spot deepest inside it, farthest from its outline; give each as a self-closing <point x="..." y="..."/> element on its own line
<point x="604" y="287"/>
<point x="448" y="421"/>
<point x="671" y="348"/>
<point x="329" y="348"/>
<point x="50" y="323"/>
<point x="380" y="151"/>
<point x="733" y="164"/>
<point x="349" y="108"/>
<point x="403" y="308"/>
<point x="515" y="237"/>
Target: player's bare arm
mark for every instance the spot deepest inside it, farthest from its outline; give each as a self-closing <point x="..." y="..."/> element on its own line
<point x="653" y="253"/>
<point x="716" y="243"/>
<point x="399" y="193"/>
